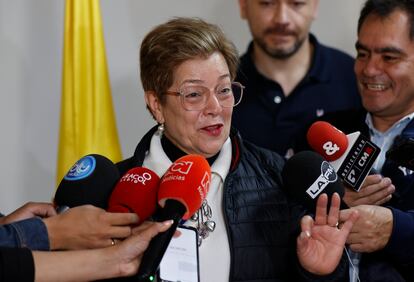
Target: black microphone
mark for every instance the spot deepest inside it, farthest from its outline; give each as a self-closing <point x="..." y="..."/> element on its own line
<point x="402" y="151"/>
<point x="306" y="175"/>
<point x="89" y="181"/>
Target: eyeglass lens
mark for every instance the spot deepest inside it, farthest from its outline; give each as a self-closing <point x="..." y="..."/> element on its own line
<point x="196" y="97"/>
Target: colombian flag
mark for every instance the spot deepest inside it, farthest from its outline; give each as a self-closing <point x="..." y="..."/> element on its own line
<point x="87" y="120"/>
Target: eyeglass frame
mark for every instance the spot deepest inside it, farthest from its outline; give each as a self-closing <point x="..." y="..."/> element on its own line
<point x="177" y="93"/>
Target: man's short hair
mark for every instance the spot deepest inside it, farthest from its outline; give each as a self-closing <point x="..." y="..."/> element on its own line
<point x="383" y="8"/>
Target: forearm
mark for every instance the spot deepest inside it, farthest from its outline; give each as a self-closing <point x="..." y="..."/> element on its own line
<point x="84" y="265"/>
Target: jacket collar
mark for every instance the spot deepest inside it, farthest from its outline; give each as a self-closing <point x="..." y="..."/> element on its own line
<point x="144" y="145"/>
<point x="408" y="131"/>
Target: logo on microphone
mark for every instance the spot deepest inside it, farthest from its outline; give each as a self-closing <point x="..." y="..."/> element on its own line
<point x="358" y="163"/>
<point x="328" y="175"/>
<point x="330" y="148"/>
<point x="81" y="169"/>
<point x="135" y="178"/>
<point x="204" y="186"/>
<point x="182" y="167"/>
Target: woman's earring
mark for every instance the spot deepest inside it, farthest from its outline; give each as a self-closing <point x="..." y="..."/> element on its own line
<point x="160" y="129"/>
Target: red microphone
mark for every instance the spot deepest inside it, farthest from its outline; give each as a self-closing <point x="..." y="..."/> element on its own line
<point x="352" y="155"/>
<point x="182" y="190"/>
<point x="136" y="192"/>
<point x="187" y="182"/>
<point x="327" y="140"/>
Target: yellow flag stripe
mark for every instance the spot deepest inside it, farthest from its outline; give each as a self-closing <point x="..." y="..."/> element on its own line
<point x="87" y="121"/>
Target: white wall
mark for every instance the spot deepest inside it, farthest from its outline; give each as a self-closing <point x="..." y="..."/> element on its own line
<point x="30" y="75"/>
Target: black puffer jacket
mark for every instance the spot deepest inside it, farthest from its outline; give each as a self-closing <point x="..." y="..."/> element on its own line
<point x="262" y="225"/>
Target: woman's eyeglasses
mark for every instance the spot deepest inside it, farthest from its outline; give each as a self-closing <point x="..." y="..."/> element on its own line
<point x="195" y="97"/>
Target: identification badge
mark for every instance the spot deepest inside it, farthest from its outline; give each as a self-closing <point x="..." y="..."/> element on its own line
<point x="180" y="261"/>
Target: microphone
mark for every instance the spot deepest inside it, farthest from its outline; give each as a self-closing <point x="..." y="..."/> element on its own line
<point x="182" y="190"/>
<point x="351" y="155"/>
<point x="89" y="181"/>
<point x="136" y="192"/>
<point x="402" y="151"/>
<point x="306" y="175"/>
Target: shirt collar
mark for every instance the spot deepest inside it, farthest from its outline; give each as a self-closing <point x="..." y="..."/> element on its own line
<point x="398" y="126"/>
<point x="158" y="161"/>
<point x="221" y="165"/>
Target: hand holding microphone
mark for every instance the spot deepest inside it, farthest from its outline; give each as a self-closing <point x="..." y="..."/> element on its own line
<point x="88" y="227"/>
<point x="136" y="192"/>
<point x="84" y="193"/>
<point x="351" y="155"/>
<point x="376" y="190"/>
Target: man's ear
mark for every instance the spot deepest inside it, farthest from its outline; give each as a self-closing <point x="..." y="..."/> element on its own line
<point x="315" y="9"/>
<point x="154" y="105"/>
<point x="242" y="7"/>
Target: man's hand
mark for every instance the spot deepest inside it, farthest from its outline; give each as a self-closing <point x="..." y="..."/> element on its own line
<point x="372" y="230"/>
<point x="375" y="190"/>
<point x="29" y="210"/>
<point x="132" y="249"/>
<point x="121" y="259"/>
<point x="88" y="227"/>
<point x="321" y="242"/>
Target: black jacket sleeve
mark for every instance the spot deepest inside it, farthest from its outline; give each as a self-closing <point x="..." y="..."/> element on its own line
<point x="16" y="264"/>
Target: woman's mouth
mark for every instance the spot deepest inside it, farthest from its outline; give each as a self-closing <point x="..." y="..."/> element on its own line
<point x="213" y="130"/>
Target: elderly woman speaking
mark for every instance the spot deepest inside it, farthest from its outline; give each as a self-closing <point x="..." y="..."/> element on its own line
<point x="250" y="231"/>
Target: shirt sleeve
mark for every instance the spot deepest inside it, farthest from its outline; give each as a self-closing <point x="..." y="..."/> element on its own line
<point x="401" y="243"/>
<point x="16" y="264"/>
<point x="29" y="233"/>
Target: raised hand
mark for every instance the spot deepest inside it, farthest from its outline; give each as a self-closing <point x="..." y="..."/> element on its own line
<point x="321" y="242"/>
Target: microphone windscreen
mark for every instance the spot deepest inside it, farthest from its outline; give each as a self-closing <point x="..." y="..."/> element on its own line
<point x="327" y="140"/>
<point x="187" y="180"/>
<point x="89" y="181"/>
<point x="136" y="192"/>
<point x="306" y="175"/>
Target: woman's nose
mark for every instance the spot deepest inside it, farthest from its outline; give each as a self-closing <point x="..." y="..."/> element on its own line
<point x="213" y="104"/>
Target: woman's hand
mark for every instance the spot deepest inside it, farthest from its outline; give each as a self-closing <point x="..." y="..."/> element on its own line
<point x="321" y="242"/>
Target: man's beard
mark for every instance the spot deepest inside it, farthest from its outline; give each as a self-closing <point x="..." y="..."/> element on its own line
<point x="279" y="53"/>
